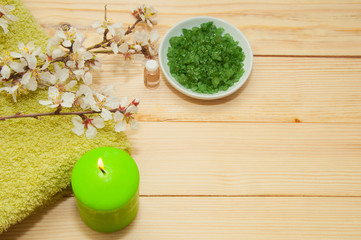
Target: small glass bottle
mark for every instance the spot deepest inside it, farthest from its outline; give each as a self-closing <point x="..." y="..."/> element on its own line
<point x="151" y="74"/>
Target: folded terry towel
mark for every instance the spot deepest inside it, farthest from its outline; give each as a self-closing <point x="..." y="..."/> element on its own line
<point x="37" y="156"/>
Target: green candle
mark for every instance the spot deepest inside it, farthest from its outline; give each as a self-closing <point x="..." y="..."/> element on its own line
<point x="105" y="183"/>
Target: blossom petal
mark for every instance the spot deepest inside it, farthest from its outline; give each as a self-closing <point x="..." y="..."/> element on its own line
<point x="88" y="78"/>
<point x="53" y="93"/>
<point x="154" y="36"/>
<point x="16" y="55"/>
<point x="87" y="55"/>
<point x="45" y="102"/>
<point x="70" y="85"/>
<point x="78" y="126"/>
<point x="78" y="73"/>
<point x="131" y="109"/>
<point x="124" y="102"/>
<point x="45" y="65"/>
<point x="84" y="90"/>
<point x="114" y="47"/>
<point x="62" y="74"/>
<point x="67" y="43"/>
<point x="123" y="48"/>
<point x="106" y="114"/>
<point x="98" y="122"/>
<point x="37" y="51"/>
<point x="31" y="59"/>
<point x="26" y="77"/>
<point x="5" y="71"/>
<point x="118" y="116"/>
<point x="71" y="64"/>
<point x="68" y="99"/>
<point x="32" y="85"/>
<point x="48" y="77"/>
<point x="77" y="46"/>
<point x="57" y="53"/>
<point x="60" y="34"/>
<point x="120" y="126"/>
<point x="91" y="132"/>
<point x="4" y="25"/>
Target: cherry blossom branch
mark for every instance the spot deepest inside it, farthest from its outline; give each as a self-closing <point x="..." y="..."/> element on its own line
<point x="55" y="113"/>
<point x="64" y="69"/>
<point x="106" y="41"/>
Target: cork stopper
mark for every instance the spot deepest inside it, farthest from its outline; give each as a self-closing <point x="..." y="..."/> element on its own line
<point x="151" y="66"/>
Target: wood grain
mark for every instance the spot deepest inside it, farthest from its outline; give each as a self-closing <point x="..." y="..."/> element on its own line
<point x="280" y="159"/>
<point x="283" y="27"/>
<point x="248" y="159"/>
<point x="171" y="218"/>
<point x="279" y="90"/>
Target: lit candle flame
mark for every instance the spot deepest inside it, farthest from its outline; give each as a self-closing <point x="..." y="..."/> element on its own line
<point x="101" y="165"/>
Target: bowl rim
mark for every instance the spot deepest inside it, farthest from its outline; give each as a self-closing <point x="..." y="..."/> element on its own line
<point x="220" y="94"/>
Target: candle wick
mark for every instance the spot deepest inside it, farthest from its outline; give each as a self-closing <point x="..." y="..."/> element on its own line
<point x="102" y="170"/>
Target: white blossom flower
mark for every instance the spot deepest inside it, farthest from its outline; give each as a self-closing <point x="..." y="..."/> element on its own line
<point x="146" y="13"/>
<point x="57" y="98"/>
<point x="94" y="63"/>
<point x="66" y="37"/>
<point x="47" y="78"/>
<point x="121" y="124"/>
<point x="6" y="17"/>
<point x="107" y="90"/>
<point x="153" y="42"/>
<point x="28" y="52"/>
<point x="140" y="38"/>
<point x="122" y="48"/>
<point x="11" y="89"/>
<point x="118" y="40"/>
<point x="8" y="63"/>
<point x="125" y="115"/>
<point x="61" y="73"/>
<point x="85" y="98"/>
<point x="123" y="119"/>
<point x="78" y="56"/>
<point x="91" y="124"/>
<point x="148" y="41"/>
<point x="86" y="76"/>
<point x="53" y="52"/>
<point x="106" y="101"/>
<point x="106" y="25"/>
<point x="29" y="79"/>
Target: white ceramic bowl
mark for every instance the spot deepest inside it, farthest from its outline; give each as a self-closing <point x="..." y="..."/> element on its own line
<point x="237" y="35"/>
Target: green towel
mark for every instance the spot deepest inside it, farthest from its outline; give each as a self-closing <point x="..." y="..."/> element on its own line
<point x="37" y="156"/>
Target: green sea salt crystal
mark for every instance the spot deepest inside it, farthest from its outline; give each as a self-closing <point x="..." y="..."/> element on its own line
<point x="204" y="60"/>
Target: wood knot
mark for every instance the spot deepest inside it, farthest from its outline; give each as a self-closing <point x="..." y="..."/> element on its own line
<point x="297" y="120"/>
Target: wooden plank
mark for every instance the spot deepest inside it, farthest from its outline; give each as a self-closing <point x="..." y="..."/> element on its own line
<point x="208" y="218"/>
<point x="248" y="159"/>
<point x="279" y="90"/>
<point x="280" y="27"/>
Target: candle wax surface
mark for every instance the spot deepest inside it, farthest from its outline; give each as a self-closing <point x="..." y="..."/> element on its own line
<point x="109" y="191"/>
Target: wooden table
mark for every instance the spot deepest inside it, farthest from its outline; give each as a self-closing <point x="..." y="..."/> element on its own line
<point x="279" y="159"/>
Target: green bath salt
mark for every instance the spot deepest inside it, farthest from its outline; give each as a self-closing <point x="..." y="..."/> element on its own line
<point x="204" y="59"/>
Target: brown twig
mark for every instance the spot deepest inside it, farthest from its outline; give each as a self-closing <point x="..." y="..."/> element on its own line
<point x="130" y="29"/>
<point x="56" y="113"/>
<point x="98" y="45"/>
